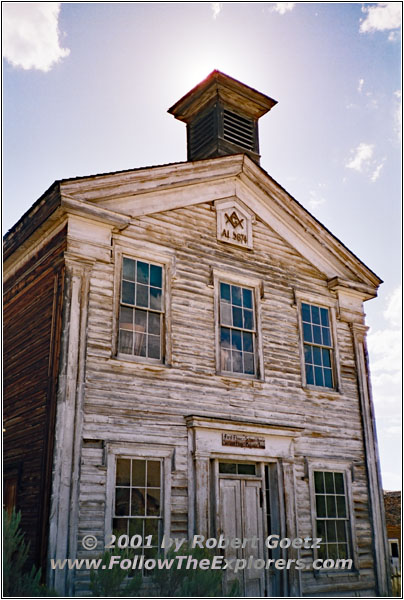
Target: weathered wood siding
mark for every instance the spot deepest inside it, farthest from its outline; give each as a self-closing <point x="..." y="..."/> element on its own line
<point x="32" y="311"/>
<point x="133" y="402"/>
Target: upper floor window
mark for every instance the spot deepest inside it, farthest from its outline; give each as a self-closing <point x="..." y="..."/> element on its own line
<point x="318" y="348"/>
<point x="141" y="309"/>
<point x="237" y="330"/>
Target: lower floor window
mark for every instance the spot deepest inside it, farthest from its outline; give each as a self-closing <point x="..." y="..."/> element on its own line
<point x="332" y="518"/>
<point x="138" y="503"/>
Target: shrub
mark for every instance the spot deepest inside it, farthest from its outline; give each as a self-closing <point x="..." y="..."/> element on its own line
<point x="115" y="581"/>
<point x="18" y="581"/>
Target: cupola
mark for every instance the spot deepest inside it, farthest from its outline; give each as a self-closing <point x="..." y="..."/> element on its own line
<point x="222" y="115"/>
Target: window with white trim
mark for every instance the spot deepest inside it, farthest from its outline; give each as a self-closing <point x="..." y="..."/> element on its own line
<point x="238" y="332"/>
<point x="138" y="502"/>
<point x="141" y="310"/>
<point x="317" y="345"/>
<point x="332" y="514"/>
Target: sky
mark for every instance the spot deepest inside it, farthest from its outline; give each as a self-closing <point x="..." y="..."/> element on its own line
<point x="87" y="86"/>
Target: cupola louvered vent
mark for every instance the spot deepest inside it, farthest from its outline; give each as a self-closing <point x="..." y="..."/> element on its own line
<point x="238" y="130"/>
<point x="202" y="133"/>
<point x="222" y="115"/>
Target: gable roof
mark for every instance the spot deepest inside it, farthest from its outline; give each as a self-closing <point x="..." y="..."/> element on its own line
<point x="147" y="190"/>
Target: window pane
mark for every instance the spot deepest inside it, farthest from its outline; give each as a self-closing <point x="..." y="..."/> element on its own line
<point x="152" y="528"/>
<point x="154" y="323"/>
<point x="225" y="314"/>
<point x="225" y="359"/>
<point x="341" y="508"/>
<point x="324" y="317"/>
<point x="140" y="320"/>
<point x="155" y="298"/>
<point x="136" y="527"/>
<point x="320" y="503"/>
<point x="339" y="483"/>
<point x="126" y="318"/>
<point x="228" y="468"/>
<point x="318" y="373"/>
<point x="138" y="473"/>
<point x="341" y="531"/>
<point x="153" y="473"/>
<point x="332" y="551"/>
<point x="122" y="471"/>
<point x="225" y="337"/>
<point x="128" y="269"/>
<point x="326" y="336"/>
<point x="140" y="344"/>
<point x="122" y="501"/>
<point x="236" y="340"/>
<point x="237" y="317"/>
<point x="248" y="319"/>
<point x="315" y="314"/>
<point x="120" y="526"/>
<point x="316" y="334"/>
<point x="128" y="292"/>
<point x="328" y="378"/>
<point x="326" y="357"/>
<point x="225" y="292"/>
<point x="245" y="469"/>
<point x="306" y="313"/>
<point x="307" y="336"/>
<point x="319" y="482"/>
<point x="317" y="356"/>
<point x="125" y="342"/>
<point x="331" y="532"/>
<point x="156" y="276"/>
<point x="331" y="508"/>
<point x="308" y="358"/>
<point x="142" y="295"/>
<point x="153" y="502"/>
<point x="342" y="551"/>
<point x="247" y="298"/>
<point x="309" y="375"/>
<point x="142" y="272"/>
<point x="237" y="362"/>
<point x="247" y="342"/>
<point x="153" y="346"/>
<point x="249" y="363"/>
<point x="321" y="529"/>
<point x="236" y="295"/>
<point x="329" y="482"/>
<point x="138" y="502"/>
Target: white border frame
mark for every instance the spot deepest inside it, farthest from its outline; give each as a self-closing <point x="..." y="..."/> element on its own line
<point x="235" y="278"/>
<point x="332" y="305"/>
<point x="154" y="255"/>
<point x="138" y="451"/>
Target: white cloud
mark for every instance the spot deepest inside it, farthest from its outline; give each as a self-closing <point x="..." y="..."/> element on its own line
<point x="385" y="359"/>
<point x="316" y="199"/>
<point x="397" y="114"/>
<point x="393" y="36"/>
<point x="376" y="173"/>
<point x="216" y="8"/>
<point x="360" y="85"/>
<point x="360" y="157"/>
<point x="31" y="35"/>
<point x="381" y="16"/>
<point x="283" y="7"/>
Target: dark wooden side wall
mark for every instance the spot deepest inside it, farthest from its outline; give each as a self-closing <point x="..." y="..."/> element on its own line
<point x="32" y="316"/>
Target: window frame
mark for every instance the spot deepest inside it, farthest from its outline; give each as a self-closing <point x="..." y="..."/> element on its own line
<point x="240" y="280"/>
<point x="331" y="305"/>
<point x="346" y="469"/>
<point x="131" y="450"/>
<point x="155" y="257"/>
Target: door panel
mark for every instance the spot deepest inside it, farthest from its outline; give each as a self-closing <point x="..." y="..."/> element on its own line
<point x="241" y="517"/>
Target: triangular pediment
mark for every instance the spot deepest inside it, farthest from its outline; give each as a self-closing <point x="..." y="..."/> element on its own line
<point x="231" y="182"/>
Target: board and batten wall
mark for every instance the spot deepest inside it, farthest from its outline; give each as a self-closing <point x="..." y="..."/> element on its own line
<point x="130" y="402"/>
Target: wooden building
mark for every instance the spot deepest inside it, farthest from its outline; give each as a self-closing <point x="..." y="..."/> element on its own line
<point x="185" y="353"/>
